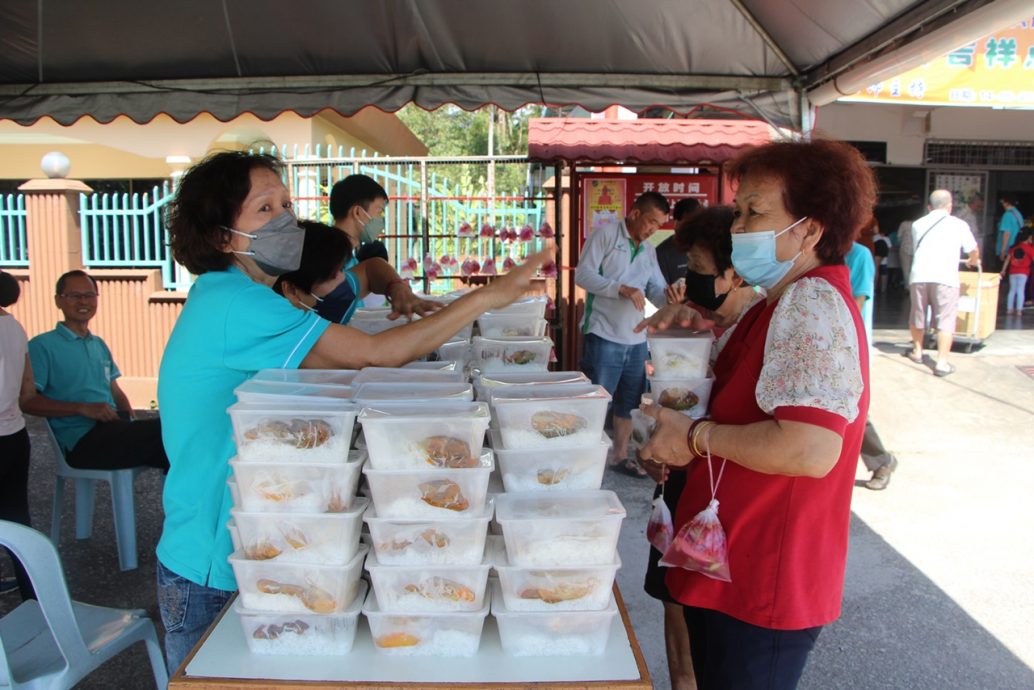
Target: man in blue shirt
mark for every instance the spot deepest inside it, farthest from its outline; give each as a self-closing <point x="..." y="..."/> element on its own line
<point x="1008" y="227"/>
<point x="77" y="389"/>
<point x="877" y="459"/>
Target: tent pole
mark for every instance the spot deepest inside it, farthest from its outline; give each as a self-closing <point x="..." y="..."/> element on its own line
<point x="806" y="113"/>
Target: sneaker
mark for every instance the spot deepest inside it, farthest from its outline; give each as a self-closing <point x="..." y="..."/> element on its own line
<point x="881" y="477"/>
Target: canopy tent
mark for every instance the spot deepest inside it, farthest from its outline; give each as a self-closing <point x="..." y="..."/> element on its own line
<point x="105" y="58"/>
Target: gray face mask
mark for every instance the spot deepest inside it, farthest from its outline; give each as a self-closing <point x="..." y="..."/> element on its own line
<point x="373" y="228"/>
<point x="276" y="247"/>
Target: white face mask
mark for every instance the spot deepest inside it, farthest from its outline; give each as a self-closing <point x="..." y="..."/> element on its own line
<point x="754" y="256"/>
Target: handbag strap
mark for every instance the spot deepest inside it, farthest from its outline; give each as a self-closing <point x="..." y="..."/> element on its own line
<point x="928" y="232"/>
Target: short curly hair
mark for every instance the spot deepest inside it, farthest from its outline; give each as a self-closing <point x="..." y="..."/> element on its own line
<point x="827" y="181"/>
<point x="209" y="197"/>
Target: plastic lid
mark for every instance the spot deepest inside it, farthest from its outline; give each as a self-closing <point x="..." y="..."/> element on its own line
<point x="681" y="333"/>
<point x="359" y="505"/>
<point x="519" y="378"/>
<point x="315" y="406"/>
<point x="514" y="340"/>
<point x="293" y="389"/>
<point x="392" y="374"/>
<point x="410" y="392"/>
<point x="486" y="513"/>
<point x="559" y="505"/>
<point x="564" y="391"/>
<point x="448" y="409"/>
<point x="486" y="461"/>
<point x="326" y="377"/>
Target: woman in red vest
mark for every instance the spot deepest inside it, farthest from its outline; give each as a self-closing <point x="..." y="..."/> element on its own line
<point x="785" y="423"/>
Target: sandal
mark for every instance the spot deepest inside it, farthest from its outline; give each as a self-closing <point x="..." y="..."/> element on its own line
<point x="907" y="354"/>
<point x="629" y="467"/>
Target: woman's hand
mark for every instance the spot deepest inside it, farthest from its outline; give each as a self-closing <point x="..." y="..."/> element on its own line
<point x="674" y="315"/>
<point x="675" y="293"/>
<point x="512" y="285"/>
<point x="668" y="444"/>
<point x="405" y="303"/>
<point x="657" y="471"/>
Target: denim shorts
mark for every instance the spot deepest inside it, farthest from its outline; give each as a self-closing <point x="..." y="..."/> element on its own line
<point x="187" y="610"/>
<point x="617" y="367"/>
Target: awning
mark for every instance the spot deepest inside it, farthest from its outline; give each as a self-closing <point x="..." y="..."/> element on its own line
<point x="643" y="142"/>
<point x="67" y="58"/>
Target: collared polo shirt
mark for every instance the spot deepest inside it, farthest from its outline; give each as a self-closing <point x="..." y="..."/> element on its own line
<point x="72" y="368"/>
<point x="230" y="328"/>
<point x="610" y="259"/>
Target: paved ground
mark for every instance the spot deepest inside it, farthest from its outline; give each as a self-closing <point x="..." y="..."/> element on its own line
<point x="938" y="583"/>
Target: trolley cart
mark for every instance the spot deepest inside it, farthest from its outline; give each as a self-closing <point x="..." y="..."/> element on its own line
<point x="978" y="307"/>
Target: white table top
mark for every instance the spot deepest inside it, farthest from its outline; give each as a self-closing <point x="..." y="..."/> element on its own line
<point x="225" y="655"/>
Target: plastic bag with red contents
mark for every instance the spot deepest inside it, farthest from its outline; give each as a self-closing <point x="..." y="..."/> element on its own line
<point x="701" y="546"/>
<point x="659" y="528"/>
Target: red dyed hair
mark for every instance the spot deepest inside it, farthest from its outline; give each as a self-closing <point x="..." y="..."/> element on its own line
<point x="828" y="181"/>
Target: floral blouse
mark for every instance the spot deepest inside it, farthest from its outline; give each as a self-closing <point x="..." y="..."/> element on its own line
<point x="811" y="352"/>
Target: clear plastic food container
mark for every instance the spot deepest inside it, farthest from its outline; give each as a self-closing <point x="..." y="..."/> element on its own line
<point x="445" y="634"/>
<point x="560" y="527"/>
<point x="432" y="492"/>
<point x="443" y="541"/>
<point x="559" y="588"/>
<point x="291" y="393"/>
<point x="560" y="633"/>
<point x="328" y="538"/>
<point x="303" y="487"/>
<point x="286" y="433"/>
<point x="407" y="375"/>
<point x="411" y="588"/>
<point x="563" y="416"/>
<point x="527" y="306"/>
<point x="490" y="355"/>
<point x="297" y="588"/>
<point x="680" y="354"/>
<point x="326" y="377"/>
<point x="445" y="433"/>
<point x="301" y="634"/>
<point x="511" y="325"/>
<point x="456" y="349"/>
<point x="688" y="396"/>
<point x="538" y="469"/>
<point x="422" y="392"/>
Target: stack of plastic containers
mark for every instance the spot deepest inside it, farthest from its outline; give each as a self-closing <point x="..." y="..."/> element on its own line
<point x="558" y="558"/>
<point x="428" y="481"/>
<point x="679" y="367"/>
<point x="296" y="517"/>
<point x="513" y="339"/>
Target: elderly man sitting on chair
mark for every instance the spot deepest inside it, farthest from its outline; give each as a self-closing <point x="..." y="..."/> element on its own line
<point x="77" y="388"/>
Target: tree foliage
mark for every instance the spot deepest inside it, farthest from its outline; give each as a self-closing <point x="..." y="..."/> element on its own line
<point x="452" y="131"/>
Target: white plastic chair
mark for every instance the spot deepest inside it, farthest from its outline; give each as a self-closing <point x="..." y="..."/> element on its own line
<point x="56" y="642"/>
<point x="122" y="502"/>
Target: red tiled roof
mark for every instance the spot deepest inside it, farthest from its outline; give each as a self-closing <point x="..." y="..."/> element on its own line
<point x="652" y="141"/>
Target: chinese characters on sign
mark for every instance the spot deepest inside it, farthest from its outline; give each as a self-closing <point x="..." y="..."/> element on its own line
<point x="996" y="70"/>
<point x="606" y="199"/>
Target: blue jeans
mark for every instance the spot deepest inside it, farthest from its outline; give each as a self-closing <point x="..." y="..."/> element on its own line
<point x="187" y="610"/>
<point x="617" y="367"/>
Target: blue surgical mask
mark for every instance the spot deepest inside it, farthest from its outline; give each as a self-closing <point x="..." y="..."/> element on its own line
<point x="336" y="305"/>
<point x="276" y="247"/>
<point x="373" y="228"/>
<point x="754" y="256"/>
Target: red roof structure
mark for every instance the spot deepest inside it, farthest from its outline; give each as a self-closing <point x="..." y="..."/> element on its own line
<point x="644" y="141"/>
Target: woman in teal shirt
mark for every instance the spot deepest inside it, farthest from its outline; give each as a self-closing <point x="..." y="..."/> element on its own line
<point x="231" y="224"/>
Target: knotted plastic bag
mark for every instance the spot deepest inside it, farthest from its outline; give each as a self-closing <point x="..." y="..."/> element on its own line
<point x="659" y="528"/>
<point x="701" y="546"/>
<point x="643" y="426"/>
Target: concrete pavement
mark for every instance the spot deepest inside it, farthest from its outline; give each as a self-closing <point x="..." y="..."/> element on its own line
<point x="938" y="584"/>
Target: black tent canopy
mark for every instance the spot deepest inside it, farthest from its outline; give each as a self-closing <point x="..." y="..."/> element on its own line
<point x="105" y="58"/>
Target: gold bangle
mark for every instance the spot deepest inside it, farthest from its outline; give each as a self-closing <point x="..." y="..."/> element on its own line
<point x="695" y="447"/>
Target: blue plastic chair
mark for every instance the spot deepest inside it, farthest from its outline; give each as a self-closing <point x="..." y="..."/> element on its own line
<point x="122" y="502"/>
<point x="56" y="642"/>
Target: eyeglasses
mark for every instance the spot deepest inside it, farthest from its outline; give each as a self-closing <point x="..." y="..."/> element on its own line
<point x="76" y="296"/>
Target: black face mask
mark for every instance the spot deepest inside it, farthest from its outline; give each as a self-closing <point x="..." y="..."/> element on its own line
<point x="700" y="290"/>
<point x="336" y="305"/>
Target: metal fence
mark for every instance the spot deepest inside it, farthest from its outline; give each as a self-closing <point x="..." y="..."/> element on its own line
<point x="14" y="252"/>
<point x="442" y="212"/>
<point x="128" y="231"/>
